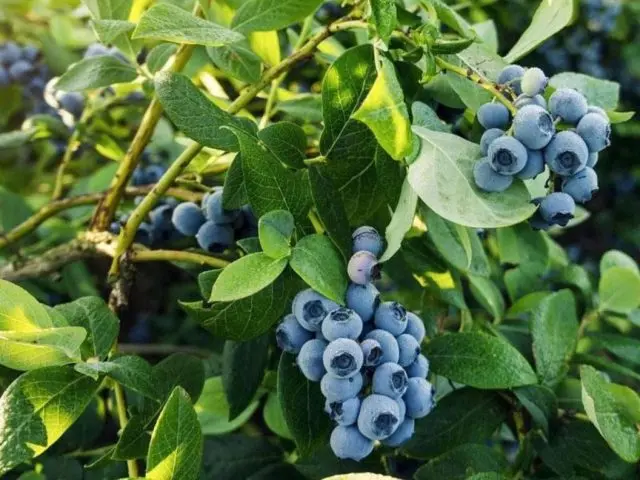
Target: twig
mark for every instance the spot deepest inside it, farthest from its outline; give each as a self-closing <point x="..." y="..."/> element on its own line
<point x="53" y="208"/>
<point x="121" y="405"/>
<point x="72" y="146"/>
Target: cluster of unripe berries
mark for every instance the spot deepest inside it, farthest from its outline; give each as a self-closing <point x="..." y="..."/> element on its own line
<point x="366" y="357"/>
<point x="566" y="135"/>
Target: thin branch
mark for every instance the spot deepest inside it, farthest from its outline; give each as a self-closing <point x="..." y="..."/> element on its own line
<point x="53" y="208"/>
<point x="72" y="146"/>
<point x="121" y="406"/>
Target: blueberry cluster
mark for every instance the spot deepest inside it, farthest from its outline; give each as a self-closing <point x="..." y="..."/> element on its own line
<point x="366" y="357"/>
<point x="565" y="134"/>
<point x="157" y="229"/>
<point x="23" y="66"/>
<point x="214" y="227"/>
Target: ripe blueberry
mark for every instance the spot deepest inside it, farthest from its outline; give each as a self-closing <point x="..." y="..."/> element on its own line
<point x="568" y="104"/>
<point x="364" y="299"/>
<point x="311" y="308"/>
<point x="290" y="335"/>
<point x="368" y="239"/>
<point x="388" y="343"/>
<point x="595" y="130"/>
<point x="341" y="389"/>
<point x="419" y="397"/>
<point x="363" y="267"/>
<point x="343" y="358"/>
<point x="488" y="179"/>
<point x="379" y="417"/>
<point x="557" y="208"/>
<point x="214" y="238"/>
<point x="581" y="186"/>
<point x="187" y="218"/>
<point x="392" y="317"/>
<point x="534" y="127"/>
<point x="309" y="359"/>
<point x="342" y="323"/>
<point x="349" y="443"/>
<point x="390" y="379"/>
<point x="507" y="155"/>
<point x="566" y="154"/>
<point x="493" y="115"/>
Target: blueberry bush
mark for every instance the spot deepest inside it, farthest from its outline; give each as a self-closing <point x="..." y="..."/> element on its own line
<point x="306" y="239"/>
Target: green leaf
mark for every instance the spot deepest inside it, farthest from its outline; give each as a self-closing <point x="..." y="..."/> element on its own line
<point x="37" y="408"/>
<point x="479" y="361"/>
<point x="385" y="113"/>
<point x="274" y="418"/>
<point x="94" y="316"/>
<point x="109" y="9"/>
<point x="472" y="95"/>
<point x="246" y="276"/>
<point x="442" y="176"/>
<point x="464" y="416"/>
<point x="159" y="55"/>
<point x="616" y="428"/>
<point x="193" y="113"/>
<point x="302" y="406"/>
<point x="47" y="347"/>
<point x="554" y="328"/>
<point x="316" y="261"/>
<point x="521" y="244"/>
<point x="627" y="400"/>
<point x="619" y="290"/>
<point x="625" y="348"/>
<point x="401" y="221"/>
<point x="213" y="409"/>
<point x="173" y="24"/>
<point x="234" y="193"/>
<point x="616" y="258"/>
<point x="487" y="293"/>
<point x="331" y="211"/>
<point x="264" y="15"/>
<point x="275" y="230"/>
<point x="286" y="141"/>
<point x="179" y="369"/>
<point x="424" y="116"/>
<point x="488" y="33"/>
<point x="619" y="117"/>
<point x="237" y="60"/>
<point x="384" y="17"/>
<point x="540" y="402"/>
<point x="452" y="19"/>
<point x="20" y="312"/>
<point x="108" y="30"/>
<point x="462" y="462"/>
<point x="96" y="72"/>
<point x="460" y="246"/>
<point x="13" y="210"/>
<point x="304" y="106"/>
<point x="549" y="19"/>
<point x="525" y="304"/>
<point x="131" y="371"/>
<point x="175" y="451"/>
<point x="248" y="317"/>
<point x="234" y="457"/>
<point x="269" y="185"/>
<point x="243" y="366"/>
<point x="601" y="93"/>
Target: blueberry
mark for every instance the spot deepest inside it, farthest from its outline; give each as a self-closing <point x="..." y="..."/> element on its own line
<point x="341" y="389"/>
<point x="409" y="349"/>
<point x="568" y="104"/>
<point x="402" y="434"/>
<point x="534" y="166"/>
<point x="402" y="408"/>
<point x="592" y="160"/>
<point x="488" y="179"/>
<point x="581" y="186"/>
<point x="512" y="76"/>
<point x="364" y="299"/>
<point x="214" y="211"/>
<point x="349" y="443"/>
<point x="161" y="217"/>
<point x="538" y="223"/>
<point x="187" y="218"/>
<point x="290" y="335"/>
<point x="595" y="130"/>
<point x="138" y="178"/>
<point x="557" y="208"/>
<point x="343" y="413"/>
<point x="598" y="110"/>
<point x="415" y="327"/>
<point x="311" y="308"/>
<point x="524" y="100"/>
<point x="372" y="352"/>
<point x="392" y="317"/>
<point x="419" y="397"/>
<point x="214" y="238"/>
<point x="20" y="71"/>
<point x="390" y="379"/>
<point x="419" y="368"/>
<point x="379" y="417"/>
<point x="388" y="343"/>
<point x="493" y="115"/>
<point x="533" y="82"/>
<point x="309" y="359"/>
<point x="363" y="267"/>
<point x="10" y="53"/>
<point x="95" y="50"/>
<point x="72" y="102"/>
<point x="567" y="153"/>
<point x="507" y="155"/>
<point x="343" y="358"/>
<point x="534" y="127"/>
<point x="4" y="77"/>
<point x="30" y="53"/>
<point x="115" y="228"/>
<point x="154" y="173"/>
<point x="489" y="136"/>
<point x="342" y="323"/>
<point x="145" y="234"/>
<point x="368" y="239"/>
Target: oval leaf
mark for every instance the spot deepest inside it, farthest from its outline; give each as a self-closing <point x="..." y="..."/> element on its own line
<point x="264" y="15"/>
<point x="274" y="230"/>
<point x="401" y="220"/>
<point x="95" y="72"/>
<point x="442" y="176"/>
<point x="619" y="290"/>
<point x="479" y="360"/>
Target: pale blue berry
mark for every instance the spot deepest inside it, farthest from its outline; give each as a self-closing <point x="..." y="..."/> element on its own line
<point x="487" y="179"/>
<point x="379" y="417"/>
<point x="581" y="186"/>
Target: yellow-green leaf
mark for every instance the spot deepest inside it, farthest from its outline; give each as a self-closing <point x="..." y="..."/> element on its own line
<point x="20" y="312"/>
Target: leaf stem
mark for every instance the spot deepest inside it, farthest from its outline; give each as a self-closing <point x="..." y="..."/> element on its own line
<point x="315" y="221"/>
<point x="72" y="146"/>
<point x="121" y="406"/>
<point x="478" y="79"/>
